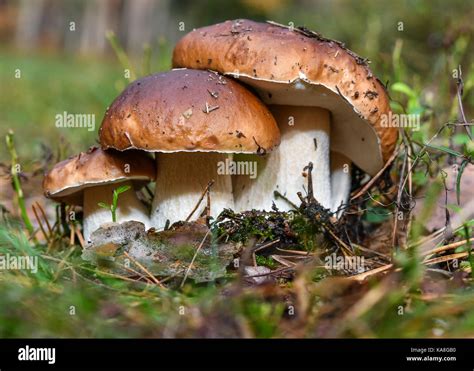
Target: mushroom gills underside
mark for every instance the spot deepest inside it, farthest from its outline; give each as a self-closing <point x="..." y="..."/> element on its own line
<point x="305" y="137"/>
<point x="182" y="177"/>
<point x="351" y="135"/>
<point x="129" y="207"/>
<point x="340" y="182"/>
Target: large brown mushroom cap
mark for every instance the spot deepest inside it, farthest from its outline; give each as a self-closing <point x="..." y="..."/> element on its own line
<point x="66" y="181"/>
<point x="295" y="66"/>
<point x="188" y="110"/>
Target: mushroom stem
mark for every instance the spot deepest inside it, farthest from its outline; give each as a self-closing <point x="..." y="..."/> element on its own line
<point x="340" y="181"/>
<point x="305" y="135"/>
<point x="129" y="207"/>
<point x="181" y="179"/>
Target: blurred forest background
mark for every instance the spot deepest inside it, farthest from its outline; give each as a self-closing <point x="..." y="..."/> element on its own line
<point x="66" y="63"/>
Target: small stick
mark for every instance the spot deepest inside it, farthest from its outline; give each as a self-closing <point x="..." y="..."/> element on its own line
<point x="278" y="194"/>
<point x="459" y="92"/>
<point x="209" y="185"/>
<point x="371" y="182"/>
<point x="410" y="191"/>
<point x="300" y="196"/>
<point x="446" y="258"/>
<point x="62" y="263"/>
<point x="117" y="276"/>
<point x="264" y="246"/>
<point x="140" y="275"/>
<point x="430" y="238"/>
<point x="72" y="234"/>
<point x="271" y="243"/>
<point x="401" y="187"/>
<point x="342" y="243"/>
<point x="208" y="206"/>
<point x="40" y="224"/>
<point x="283" y="261"/>
<point x="276" y="271"/>
<point x="365" y="249"/>
<point x="194" y="257"/>
<point x="296" y="252"/>
<point x="145" y="270"/>
<point x="310" y="182"/>
<point x="364" y="275"/>
<point x="80" y="237"/>
<point x="445" y="247"/>
<point x="50" y="230"/>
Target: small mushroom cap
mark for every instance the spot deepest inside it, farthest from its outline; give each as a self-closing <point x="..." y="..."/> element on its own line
<point x="66" y="181"/>
<point x="295" y="66"/>
<point x="188" y="110"/>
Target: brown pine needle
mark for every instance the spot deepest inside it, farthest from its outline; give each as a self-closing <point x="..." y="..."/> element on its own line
<point x="346" y="250"/>
<point x="446" y="258"/>
<point x="194" y="258"/>
<point x="154" y="279"/>
<point x="43" y="213"/>
<point x="209" y="185"/>
<point x="371" y="182"/>
<point x="280" y="259"/>
<point x="80" y="238"/>
<point x="38" y="219"/>
<point x="117" y="276"/>
<point x="441" y="259"/>
<point x="446" y="247"/>
<point x="72" y="234"/>
<point x="296" y="252"/>
<point x="264" y="246"/>
<point x="140" y="275"/>
<point x="364" y="275"/>
<point x="429" y="238"/>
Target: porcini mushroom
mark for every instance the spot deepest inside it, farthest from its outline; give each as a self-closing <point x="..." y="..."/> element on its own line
<point x="91" y="177"/>
<point x="323" y="96"/>
<point x="194" y="120"/>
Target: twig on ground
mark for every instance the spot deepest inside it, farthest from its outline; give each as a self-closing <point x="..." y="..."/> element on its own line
<point x="80" y="238"/>
<point x="364" y="275"/>
<point x="43" y="213"/>
<point x="209" y="185"/>
<point x="371" y="182"/>
<point x="46" y="236"/>
<point x="194" y="258"/>
<point x="445" y="248"/>
<point x="154" y="279"/>
<point x="401" y="187"/>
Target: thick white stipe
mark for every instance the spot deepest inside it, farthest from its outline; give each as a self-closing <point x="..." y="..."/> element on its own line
<point x="305" y="135"/>
<point x="340" y="181"/>
<point x="181" y="179"/>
